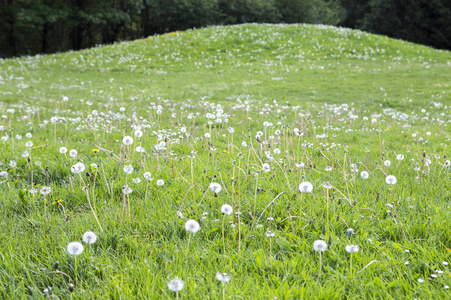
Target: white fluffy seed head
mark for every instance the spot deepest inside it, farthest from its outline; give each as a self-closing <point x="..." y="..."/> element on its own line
<point x="226" y="209"/>
<point x="89" y="237"/>
<point x="306" y="187"/>
<point x="319" y="245"/>
<point x="390" y="179"/>
<point x="352" y="248"/>
<point x="215" y="187"/>
<point x="176" y="284"/>
<point x="364" y="174"/>
<point x="127" y="140"/>
<point x="223" y="277"/>
<point x="192" y="226"/>
<point x="75" y="248"/>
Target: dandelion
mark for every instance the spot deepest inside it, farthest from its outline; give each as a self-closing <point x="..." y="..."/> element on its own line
<point x="94" y="150"/>
<point x="160" y="182"/>
<point x="127" y="190"/>
<point x="215" y="187"/>
<point x="222" y="277"/>
<point x="329" y="168"/>
<point x="387" y="163"/>
<point x="128" y="169"/>
<point x="63" y="150"/>
<point x="364" y="175"/>
<point x="400" y="157"/>
<point x="226" y="209"/>
<point x="319" y="246"/>
<point x="176" y="285"/>
<point x="351" y="249"/>
<point x="147" y="176"/>
<point x="390" y="179"/>
<point x="25" y="154"/>
<point x="306" y="187"/>
<point x="73" y="153"/>
<point x="29" y="144"/>
<point x="140" y="149"/>
<point x="266" y="168"/>
<point x="270" y="234"/>
<point x="75" y="248"/>
<point x="89" y="237"/>
<point x="136" y="180"/>
<point x="138" y="134"/>
<point x="192" y="226"/>
<point x="127" y="140"/>
<point x="77" y="168"/>
<point x="45" y="190"/>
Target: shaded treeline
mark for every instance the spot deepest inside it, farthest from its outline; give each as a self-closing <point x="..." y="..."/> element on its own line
<point x="46" y="26"/>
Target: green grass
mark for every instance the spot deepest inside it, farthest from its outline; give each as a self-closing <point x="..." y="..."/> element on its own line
<point x="320" y="80"/>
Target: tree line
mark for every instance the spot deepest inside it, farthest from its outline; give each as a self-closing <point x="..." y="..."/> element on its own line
<point x="46" y="26"/>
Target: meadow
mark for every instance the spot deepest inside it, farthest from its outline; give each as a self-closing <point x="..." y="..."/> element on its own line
<point x="237" y="162"/>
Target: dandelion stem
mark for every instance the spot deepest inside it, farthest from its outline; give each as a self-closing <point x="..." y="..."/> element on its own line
<point x="320" y="265"/>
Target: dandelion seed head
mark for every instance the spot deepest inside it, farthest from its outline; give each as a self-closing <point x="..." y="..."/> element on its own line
<point x="319" y="245"/>
<point x="176" y="284"/>
<point x="89" y="237"/>
<point x="75" y="248"/>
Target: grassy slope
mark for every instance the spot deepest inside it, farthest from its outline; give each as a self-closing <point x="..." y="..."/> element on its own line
<point x="297" y="64"/>
<point x="292" y="63"/>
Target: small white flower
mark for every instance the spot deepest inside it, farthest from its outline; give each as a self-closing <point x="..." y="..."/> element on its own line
<point x="223" y="277"/>
<point x="387" y="163"/>
<point x="78" y="168"/>
<point x="319" y="245"/>
<point x="269" y="233"/>
<point x="306" y="187"/>
<point x="29" y="144"/>
<point x="63" y="150"/>
<point x="45" y="190"/>
<point x="176" y="285"/>
<point x="147" y="176"/>
<point x="352" y="248"/>
<point x="127" y="140"/>
<point x="226" y="209"/>
<point x="192" y="226"/>
<point x="266" y="168"/>
<point x="140" y="149"/>
<point x="136" y="180"/>
<point x="420" y="280"/>
<point x="126" y="189"/>
<point x="75" y="248"/>
<point x="160" y="182"/>
<point x="390" y="179"/>
<point x="73" y="153"/>
<point x="128" y="169"/>
<point x="364" y="175"/>
<point x="89" y="237"/>
<point x="138" y="134"/>
<point x="400" y="157"/>
<point x="215" y="187"/>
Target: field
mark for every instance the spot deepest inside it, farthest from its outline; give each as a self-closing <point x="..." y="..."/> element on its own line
<point x="250" y="162"/>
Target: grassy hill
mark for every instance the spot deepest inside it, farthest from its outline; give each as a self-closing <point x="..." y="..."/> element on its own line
<point x="294" y="63"/>
<point x="126" y="140"/>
